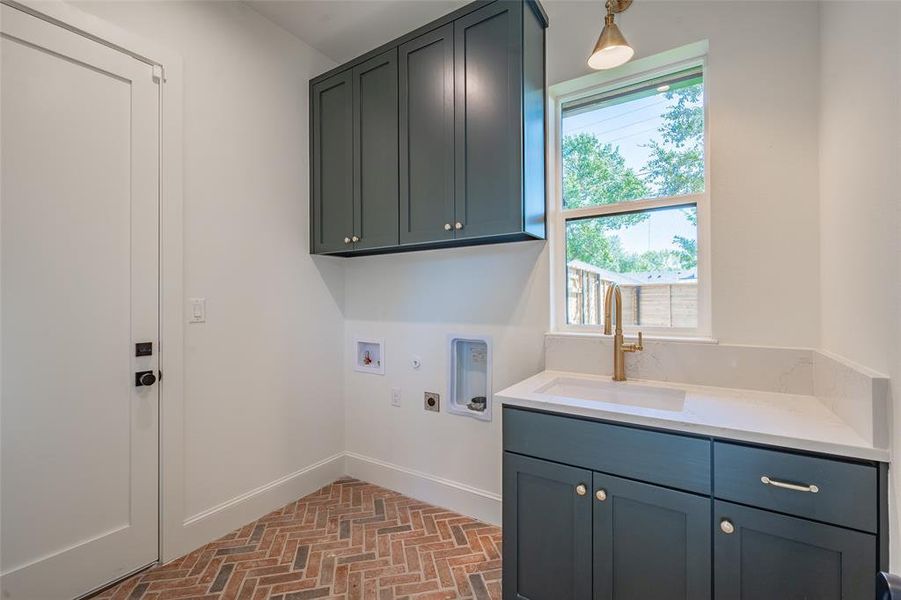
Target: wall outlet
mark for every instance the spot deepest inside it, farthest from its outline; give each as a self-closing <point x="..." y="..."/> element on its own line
<point x="395" y="396"/>
<point x="432" y="402"/>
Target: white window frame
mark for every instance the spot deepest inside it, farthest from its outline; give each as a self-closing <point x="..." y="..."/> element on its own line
<point x="691" y="56"/>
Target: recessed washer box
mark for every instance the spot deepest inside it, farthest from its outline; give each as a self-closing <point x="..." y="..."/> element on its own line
<point x="369" y="356"/>
<point x="470" y="376"/>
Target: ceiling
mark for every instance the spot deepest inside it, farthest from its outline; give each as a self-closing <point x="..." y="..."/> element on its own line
<point x="344" y="29"/>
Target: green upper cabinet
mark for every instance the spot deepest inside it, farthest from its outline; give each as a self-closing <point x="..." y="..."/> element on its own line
<point x="488" y="121"/>
<point x="427" y="137"/>
<point x="331" y="163"/>
<point x="447" y="136"/>
<point x="375" y="152"/>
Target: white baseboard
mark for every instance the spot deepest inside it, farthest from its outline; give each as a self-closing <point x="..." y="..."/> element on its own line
<point x="215" y="522"/>
<point x="218" y="520"/>
<point x="459" y="497"/>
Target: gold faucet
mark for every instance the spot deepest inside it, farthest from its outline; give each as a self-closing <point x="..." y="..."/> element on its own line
<point x="619" y="348"/>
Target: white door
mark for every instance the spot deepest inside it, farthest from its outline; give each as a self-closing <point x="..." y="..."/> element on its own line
<point x="79" y="287"/>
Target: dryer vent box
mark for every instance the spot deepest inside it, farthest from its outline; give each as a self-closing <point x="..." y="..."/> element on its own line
<point x="470" y="376"/>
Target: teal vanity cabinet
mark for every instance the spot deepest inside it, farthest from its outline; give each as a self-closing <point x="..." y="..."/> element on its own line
<point x="552" y="526"/>
<point x="441" y="132"/>
<point x="815" y="539"/>
<point x="604" y="511"/>
<point x="769" y="555"/>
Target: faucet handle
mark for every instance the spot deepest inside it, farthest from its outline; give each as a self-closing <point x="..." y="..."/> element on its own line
<point x="634" y="347"/>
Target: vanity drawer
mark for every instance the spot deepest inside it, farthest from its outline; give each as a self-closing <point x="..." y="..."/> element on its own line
<point x="846" y="493"/>
<point x="676" y="461"/>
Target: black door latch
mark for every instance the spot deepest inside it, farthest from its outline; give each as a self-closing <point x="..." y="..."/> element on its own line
<point x="143" y="378"/>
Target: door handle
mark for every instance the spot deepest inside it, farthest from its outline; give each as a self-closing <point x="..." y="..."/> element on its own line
<point x="144" y="378"/>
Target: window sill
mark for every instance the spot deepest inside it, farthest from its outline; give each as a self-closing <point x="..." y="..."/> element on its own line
<point x="679" y="339"/>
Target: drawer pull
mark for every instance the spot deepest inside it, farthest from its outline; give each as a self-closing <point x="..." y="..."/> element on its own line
<point x="765" y="480"/>
<point x="581" y="489"/>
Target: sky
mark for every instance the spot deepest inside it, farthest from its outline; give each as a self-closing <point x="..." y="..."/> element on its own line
<point x="630" y="126"/>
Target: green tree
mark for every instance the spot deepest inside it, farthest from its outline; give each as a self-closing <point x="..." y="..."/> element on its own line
<point x="676" y="166"/>
<point x="595" y="173"/>
<point x="688" y="248"/>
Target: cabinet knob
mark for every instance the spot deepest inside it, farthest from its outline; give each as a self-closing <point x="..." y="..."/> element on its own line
<point x="601" y="495"/>
<point x="447" y="227"/>
<point x="355" y="239"/>
<point x="581" y="490"/>
<point x="727" y="526"/>
<point x="458" y="225"/>
<point x="347" y="240"/>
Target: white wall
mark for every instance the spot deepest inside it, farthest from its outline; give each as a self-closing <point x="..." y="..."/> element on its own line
<point x="763" y="130"/>
<point x="413" y="301"/>
<point x="762" y="88"/>
<point x="263" y="386"/>
<point x="860" y="225"/>
<point x="860" y="122"/>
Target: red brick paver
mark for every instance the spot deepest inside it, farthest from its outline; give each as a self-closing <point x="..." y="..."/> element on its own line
<point x="350" y="540"/>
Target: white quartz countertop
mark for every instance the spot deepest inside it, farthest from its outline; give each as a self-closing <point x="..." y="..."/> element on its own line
<point x="786" y="420"/>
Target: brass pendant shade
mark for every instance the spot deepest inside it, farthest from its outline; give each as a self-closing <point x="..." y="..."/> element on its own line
<point x="611" y="49"/>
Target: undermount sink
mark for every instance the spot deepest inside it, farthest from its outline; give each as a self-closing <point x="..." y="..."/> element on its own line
<point x="626" y="394"/>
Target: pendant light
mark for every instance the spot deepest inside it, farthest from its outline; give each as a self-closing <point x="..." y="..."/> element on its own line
<point x="612" y="49"/>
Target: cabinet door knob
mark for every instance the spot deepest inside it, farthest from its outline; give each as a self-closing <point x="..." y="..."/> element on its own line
<point x="447" y="227"/>
<point x="581" y="490"/>
<point x="347" y="240"/>
<point x="458" y="225"/>
<point x="355" y="239"/>
<point x="727" y="526"/>
<point x="601" y="495"/>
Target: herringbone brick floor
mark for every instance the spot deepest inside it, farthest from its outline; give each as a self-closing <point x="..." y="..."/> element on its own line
<point x="349" y="540"/>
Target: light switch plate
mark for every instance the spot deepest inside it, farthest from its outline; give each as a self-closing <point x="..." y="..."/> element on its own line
<point x="196" y="310"/>
<point x="395" y="396"/>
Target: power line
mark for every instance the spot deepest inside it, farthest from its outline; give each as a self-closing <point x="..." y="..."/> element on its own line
<point x="593" y="123"/>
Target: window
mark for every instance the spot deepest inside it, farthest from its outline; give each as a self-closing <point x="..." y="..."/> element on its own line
<point x="632" y="179"/>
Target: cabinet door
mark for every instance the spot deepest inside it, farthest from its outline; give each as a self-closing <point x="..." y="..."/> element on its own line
<point x="375" y="147"/>
<point x="547" y="530"/>
<point x="332" y="155"/>
<point x="488" y="87"/>
<point x="427" y="137"/>
<point x="649" y="541"/>
<point x="768" y="555"/>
